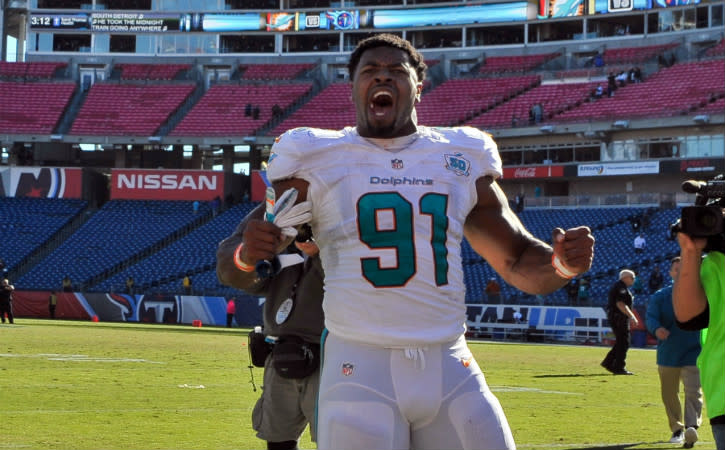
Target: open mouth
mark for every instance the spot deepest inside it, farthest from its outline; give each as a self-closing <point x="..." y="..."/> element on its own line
<point x="381" y="103"/>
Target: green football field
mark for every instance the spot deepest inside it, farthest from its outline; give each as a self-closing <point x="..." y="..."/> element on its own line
<point x="85" y="385"/>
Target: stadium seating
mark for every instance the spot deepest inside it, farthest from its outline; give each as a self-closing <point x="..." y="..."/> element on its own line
<point x="118" y="231"/>
<point x="222" y="111"/>
<point x="613" y="250"/>
<point x="28" y="223"/>
<point x="274" y="71"/>
<point x="29" y="70"/>
<point x="556" y="98"/>
<point x="182" y="242"/>
<point x="716" y="50"/>
<point x="687" y="85"/>
<point x="514" y="64"/>
<point x="129" y="109"/>
<point x="635" y="55"/>
<point x="187" y="254"/>
<point x="715" y="106"/>
<point x="456" y="100"/>
<point x="151" y="71"/>
<point x="33" y="107"/>
<point x="331" y="108"/>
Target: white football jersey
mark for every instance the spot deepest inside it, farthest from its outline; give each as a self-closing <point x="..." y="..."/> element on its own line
<point x="389" y="226"/>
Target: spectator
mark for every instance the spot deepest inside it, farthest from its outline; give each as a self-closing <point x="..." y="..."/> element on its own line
<point x="698" y="298"/>
<point x="6" y="300"/>
<point x="231" y="310"/>
<point x="215" y="205"/>
<point x="677" y="352"/>
<point x="514" y="121"/>
<point x="572" y="290"/>
<point x="611" y="84"/>
<point x="52" y="304"/>
<point x="639" y="243"/>
<point x="248" y="110"/>
<point x="186" y="284"/>
<point x="619" y="313"/>
<point x="655" y="280"/>
<point x="255" y="112"/>
<point x="536" y="113"/>
<point x="583" y="292"/>
<point x="520" y="199"/>
<point x="67" y="284"/>
<point x="130" y="285"/>
<point x="621" y="79"/>
<point x="493" y="291"/>
<point x="276" y="110"/>
<point x="195" y="206"/>
<point x="637" y="287"/>
<point x="598" y="92"/>
<point x="3" y="268"/>
<point x="598" y="60"/>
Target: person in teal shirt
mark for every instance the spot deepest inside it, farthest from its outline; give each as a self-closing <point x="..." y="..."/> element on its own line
<point x="677" y="352"/>
<point x="698" y="297"/>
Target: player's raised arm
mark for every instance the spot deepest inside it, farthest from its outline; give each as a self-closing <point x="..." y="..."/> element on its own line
<point x="527" y="263"/>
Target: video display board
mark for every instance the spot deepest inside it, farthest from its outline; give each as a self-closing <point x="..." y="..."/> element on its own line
<point x="277" y="21"/>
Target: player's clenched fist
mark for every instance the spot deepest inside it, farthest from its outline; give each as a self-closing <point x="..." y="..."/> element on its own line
<point x="574" y="248"/>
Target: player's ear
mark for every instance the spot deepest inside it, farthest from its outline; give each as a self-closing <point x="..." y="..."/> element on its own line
<point x="419" y="92"/>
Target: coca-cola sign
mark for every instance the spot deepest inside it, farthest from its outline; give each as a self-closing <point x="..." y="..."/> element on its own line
<point x="533" y="172"/>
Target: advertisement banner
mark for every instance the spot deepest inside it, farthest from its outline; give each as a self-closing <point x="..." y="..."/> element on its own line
<point x="615" y="169"/>
<point x="43" y="182"/>
<point x="533" y="172"/>
<point x="694" y="166"/>
<point x="567" y="323"/>
<point x="151" y="184"/>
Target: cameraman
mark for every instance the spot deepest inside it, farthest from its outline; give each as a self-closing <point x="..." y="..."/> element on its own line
<point x="698" y="298"/>
<point x="292" y="315"/>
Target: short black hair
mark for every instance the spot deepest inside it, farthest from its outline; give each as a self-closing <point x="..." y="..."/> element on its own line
<point x="388" y="40"/>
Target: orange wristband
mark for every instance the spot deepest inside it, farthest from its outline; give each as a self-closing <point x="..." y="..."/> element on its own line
<point x="560" y="269"/>
<point x="241" y="265"/>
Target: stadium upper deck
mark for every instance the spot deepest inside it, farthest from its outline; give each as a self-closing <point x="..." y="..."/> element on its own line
<point x="211" y="47"/>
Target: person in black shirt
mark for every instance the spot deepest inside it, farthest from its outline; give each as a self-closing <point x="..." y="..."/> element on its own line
<point x="6" y="300"/>
<point x="619" y="313"/>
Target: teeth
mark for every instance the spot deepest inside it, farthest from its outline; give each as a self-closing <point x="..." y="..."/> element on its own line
<point x="379" y="93"/>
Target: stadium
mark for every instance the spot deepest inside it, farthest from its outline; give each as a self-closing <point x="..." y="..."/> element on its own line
<point x="118" y="115"/>
<point x="134" y="136"/>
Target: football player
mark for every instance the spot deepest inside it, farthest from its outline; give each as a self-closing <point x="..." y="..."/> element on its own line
<point x="391" y="203"/>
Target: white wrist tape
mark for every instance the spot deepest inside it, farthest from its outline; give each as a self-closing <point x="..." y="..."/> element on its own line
<point x="560" y="269"/>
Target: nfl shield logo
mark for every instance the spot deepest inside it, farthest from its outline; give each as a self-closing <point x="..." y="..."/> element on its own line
<point x="347" y="369"/>
<point x="397" y="163"/>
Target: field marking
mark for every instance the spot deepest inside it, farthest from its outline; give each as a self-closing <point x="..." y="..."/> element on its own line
<point x="526" y="389"/>
<point x="78" y="358"/>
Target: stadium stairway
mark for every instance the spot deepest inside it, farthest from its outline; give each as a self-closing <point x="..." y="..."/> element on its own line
<point x="177" y="116"/>
<point x="71" y="111"/>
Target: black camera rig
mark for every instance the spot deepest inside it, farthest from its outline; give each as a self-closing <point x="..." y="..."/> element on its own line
<point x="706" y="218"/>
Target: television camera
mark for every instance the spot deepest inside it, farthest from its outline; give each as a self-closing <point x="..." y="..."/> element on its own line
<point x="706" y="219"/>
